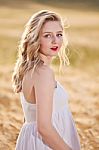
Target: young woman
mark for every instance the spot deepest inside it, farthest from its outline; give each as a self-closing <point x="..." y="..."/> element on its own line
<point x="48" y="122"/>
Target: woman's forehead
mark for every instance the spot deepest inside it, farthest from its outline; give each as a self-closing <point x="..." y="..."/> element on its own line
<point x="51" y="26"/>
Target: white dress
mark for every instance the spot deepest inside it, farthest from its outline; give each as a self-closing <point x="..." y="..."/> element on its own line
<point x="30" y="139"/>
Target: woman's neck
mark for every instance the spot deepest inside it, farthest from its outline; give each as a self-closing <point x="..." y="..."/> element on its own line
<point x="46" y="59"/>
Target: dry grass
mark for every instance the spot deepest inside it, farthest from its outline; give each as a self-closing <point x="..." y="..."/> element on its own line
<point x="80" y="79"/>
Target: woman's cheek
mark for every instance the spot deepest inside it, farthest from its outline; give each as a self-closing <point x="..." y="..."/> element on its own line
<point x="60" y="42"/>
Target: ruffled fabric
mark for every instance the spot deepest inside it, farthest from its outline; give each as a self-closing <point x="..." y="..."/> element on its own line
<point x="65" y="126"/>
<point x="29" y="137"/>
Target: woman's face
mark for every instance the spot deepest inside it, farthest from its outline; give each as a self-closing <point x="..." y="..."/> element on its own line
<point x="51" y="38"/>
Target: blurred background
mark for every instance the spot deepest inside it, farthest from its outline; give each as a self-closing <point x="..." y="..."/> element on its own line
<point x="80" y="78"/>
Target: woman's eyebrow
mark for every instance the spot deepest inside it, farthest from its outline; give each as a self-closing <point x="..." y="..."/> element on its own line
<point x="52" y="32"/>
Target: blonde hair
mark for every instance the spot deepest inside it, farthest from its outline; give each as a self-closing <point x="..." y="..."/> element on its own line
<point x="28" y="57"/>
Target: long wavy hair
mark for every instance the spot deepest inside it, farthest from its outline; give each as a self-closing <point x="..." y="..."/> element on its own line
<point x="28" y="50"/>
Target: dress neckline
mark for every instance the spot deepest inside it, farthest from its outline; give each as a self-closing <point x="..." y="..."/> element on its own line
<point x="57" y="83"/>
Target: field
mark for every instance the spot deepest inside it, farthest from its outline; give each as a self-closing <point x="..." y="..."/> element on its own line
<point x="80" y="79"/>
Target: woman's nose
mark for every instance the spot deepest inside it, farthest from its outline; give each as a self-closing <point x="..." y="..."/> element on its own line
<point x="54" y="40"/>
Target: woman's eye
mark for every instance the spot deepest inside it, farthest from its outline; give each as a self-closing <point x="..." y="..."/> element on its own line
<point x="47" y="35"/>
<point x="59" y="35"/>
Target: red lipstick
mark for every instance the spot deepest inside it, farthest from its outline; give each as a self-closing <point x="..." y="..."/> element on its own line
<point x="54" y="48"/>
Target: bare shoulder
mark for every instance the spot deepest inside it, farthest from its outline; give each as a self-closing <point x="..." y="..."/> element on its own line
<point x="45" y="75"/>
<point x="47" y="70"/>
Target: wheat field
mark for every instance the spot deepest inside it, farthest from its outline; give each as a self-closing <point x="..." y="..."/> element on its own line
<point x="80" y="78"/>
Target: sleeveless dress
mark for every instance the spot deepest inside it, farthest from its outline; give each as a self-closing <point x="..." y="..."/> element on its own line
<point x="30" y="139"/>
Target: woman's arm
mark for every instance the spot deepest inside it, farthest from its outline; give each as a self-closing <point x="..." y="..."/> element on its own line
<point x="52" y="139"/>
<point x="44" y="89"/>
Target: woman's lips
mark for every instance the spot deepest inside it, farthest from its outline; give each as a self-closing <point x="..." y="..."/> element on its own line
<point x="54" y="48"/>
